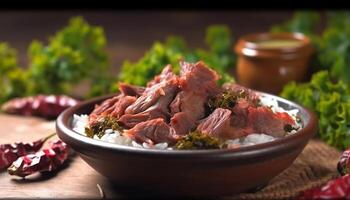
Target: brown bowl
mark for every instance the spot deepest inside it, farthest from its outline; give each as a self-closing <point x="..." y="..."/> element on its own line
<point x="188" y="172"/>
<point x="268" y="69"/>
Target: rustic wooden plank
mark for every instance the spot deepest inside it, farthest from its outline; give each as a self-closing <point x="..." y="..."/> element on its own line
<point x="75" y="180"/>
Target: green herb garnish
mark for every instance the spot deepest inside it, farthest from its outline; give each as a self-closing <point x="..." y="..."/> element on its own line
<point x="197" y="140"/>
<point x="288" y="128"/>
<point x="99" y="127"/>
<point x="226" y="100"/>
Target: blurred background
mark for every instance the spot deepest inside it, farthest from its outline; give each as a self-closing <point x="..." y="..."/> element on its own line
<point x="130" y="33"/>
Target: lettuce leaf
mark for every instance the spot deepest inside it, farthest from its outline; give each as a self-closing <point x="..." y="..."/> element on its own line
<point x="330" y="101"/>
<point x="219" y="56"/>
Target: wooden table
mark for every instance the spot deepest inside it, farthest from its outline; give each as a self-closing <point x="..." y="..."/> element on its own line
<point x="77" y="180"/>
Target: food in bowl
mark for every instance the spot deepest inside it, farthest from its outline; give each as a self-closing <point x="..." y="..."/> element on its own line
<point x="187" y="111"/>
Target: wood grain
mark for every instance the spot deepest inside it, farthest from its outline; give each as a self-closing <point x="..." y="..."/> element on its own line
<point x="75" y="180"/>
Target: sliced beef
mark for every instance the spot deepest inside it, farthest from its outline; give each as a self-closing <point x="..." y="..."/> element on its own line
<point x="199" y="78"/>
<point x="182" y="123"/>
<point x="191" y="108"/>
<point x="114" y="107"/>
<point x="156" y="111"/>
<point x="218" y="124"/>
<point x="161" y="94"/>
<point x="175" y="105"/>
<point x="166" y="74"/>
<point x="131" y="90"/>
<point x="104" y="108"/>
<point x="152" y="132"/>
<point x="154" y="101"/>
<point x="244" y="119"/>
<point x="263" y="120"/>
<point x="197" y="83"/>
<point x="242" y="93"/>
<point x="240" y="113"/>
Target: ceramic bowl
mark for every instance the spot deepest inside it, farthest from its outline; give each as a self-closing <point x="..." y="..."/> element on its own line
<point x="188" y="172"/>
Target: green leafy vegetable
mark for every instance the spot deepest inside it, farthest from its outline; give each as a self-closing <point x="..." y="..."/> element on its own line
<point x="219" y="56"/>
<point x="330" y="101"/>
<point x="197" y="140"/>
<point x="334" y="48"/>
<point x="154" y="60"/>
<point x="8" y="59"/>
<point x="338" y="19"/>
<point x="304" y="22"/>
<point x="12" y="77"/>
<point x="98" y="128"/>
<point x="75" y="53"/>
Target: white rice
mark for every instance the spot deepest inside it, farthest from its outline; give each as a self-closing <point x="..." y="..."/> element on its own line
<point x="81" y="121"/>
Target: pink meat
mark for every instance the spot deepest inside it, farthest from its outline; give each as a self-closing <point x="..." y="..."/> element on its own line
<point x="198" y="83"/>
<point x="114" y="107"/>
<point x="218" y="124"/>
<point x="244" y="119"/>
<point x="131" y="90"/>
<point x="199" y="78"/>
<point x="152" y="132"/>
<point x="263" y="120"/>
<point x="242" y="92"/>
<point x="160" y="93"/>
<point x="166" y="74"/>
<point x="131" y="120"/>
<point x="191" y="108"/>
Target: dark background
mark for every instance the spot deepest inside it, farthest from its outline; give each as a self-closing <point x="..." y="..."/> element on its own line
<point x="130" y="33"/>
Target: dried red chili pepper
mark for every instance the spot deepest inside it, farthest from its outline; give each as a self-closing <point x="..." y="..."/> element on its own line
<point x="335" y="189"/>
<point x="344" y="163"/>
<point x="47" y="106"/>
<point x="10" y="152"/>
<point x="46" y="160"/>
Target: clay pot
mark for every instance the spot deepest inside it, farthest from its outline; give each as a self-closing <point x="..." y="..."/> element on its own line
<point x="269" y="68"/>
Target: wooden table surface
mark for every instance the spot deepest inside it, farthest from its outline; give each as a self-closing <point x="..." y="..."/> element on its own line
<point x="75" y="180"/>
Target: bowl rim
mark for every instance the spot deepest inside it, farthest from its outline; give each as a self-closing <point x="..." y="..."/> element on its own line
<point x="247" y="47"/>
<point x="279" y="146"/>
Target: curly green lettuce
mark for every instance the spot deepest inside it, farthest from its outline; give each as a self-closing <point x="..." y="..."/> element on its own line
<point x="12" y="78"/>
<point x="75" y="53"/>
<point x="219" y="56"/>
<point x="304" y="22"/>
<point x="332" y="46"/>
<point x="330" y="101"/>
<point x="152" y="63"/>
